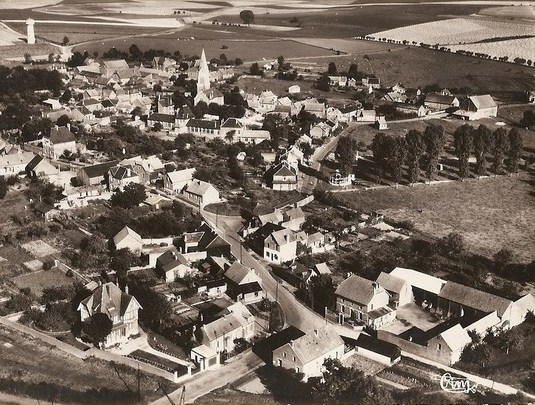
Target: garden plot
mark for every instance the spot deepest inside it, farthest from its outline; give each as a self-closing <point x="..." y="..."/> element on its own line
<point x="38" y="248"/>
<point x="34" y="265"/>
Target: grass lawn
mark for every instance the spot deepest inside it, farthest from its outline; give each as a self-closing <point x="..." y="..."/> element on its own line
<point x="31" y="361"/>
<point x="12" y="204"/>
<point x="490" y="213"/>
<point x="42" y="279"/>
<point x="12" y="266"/>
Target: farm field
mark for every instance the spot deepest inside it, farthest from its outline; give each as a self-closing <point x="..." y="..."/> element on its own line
<point x="490" y="213"/>
<point x="417" y="67"/>
<point x="521" y="12"/>
<point x="357" y="20"/>
<point x="467" y="34"/>
<point x="247" y="50"/>
<point x="30" y="361"/>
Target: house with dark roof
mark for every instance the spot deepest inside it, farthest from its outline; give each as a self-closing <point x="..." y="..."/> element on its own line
<point x="456" y="300"/>
<point x="94" y="175"/>
<point x="61" y="139"/>
<point x="244" y="285"/>
<point x="231" y="126"/>
<point x="378" y="350"/>
<point x="206" y="241"/>
<point x="206" y="129"/>
<point x="40" y="167"/>
<point x="121" y="175"/>
<point x="307" y="353"/>
<point x="362" y="300"/>
<point x="167" y="121"/>
<point x="265" y="347"/>
<point x="120" y="307"/>
<point x="440" y="102"/>
<point x="172" y="265"/>
<point x="281" y="177"/>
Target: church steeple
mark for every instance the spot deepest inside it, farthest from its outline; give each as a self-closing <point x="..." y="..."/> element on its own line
<point x="203" y="79"/>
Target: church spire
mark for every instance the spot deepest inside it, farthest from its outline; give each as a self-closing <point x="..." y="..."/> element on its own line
<point x="203" y="79"/>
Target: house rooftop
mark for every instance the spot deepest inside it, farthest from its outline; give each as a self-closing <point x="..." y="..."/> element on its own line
<point x="315" y="344"/>
<point x="357" y="289"/>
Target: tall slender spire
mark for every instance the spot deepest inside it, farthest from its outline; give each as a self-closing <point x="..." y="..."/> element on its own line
<point x="203" y="79"/>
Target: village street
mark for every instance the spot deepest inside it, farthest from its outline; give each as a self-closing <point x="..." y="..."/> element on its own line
<point x="209" y="380"/>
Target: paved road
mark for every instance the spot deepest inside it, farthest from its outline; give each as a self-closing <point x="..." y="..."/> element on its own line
<point x="296" y="314"/>
<point x="208" y="381"/>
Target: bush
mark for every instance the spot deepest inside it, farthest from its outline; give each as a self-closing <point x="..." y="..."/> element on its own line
<point x="48" y="264"/>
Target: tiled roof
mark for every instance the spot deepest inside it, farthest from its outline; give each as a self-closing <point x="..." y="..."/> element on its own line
<point x="61" y="135"/>
<point x="390" y="282"/>
<point x="473" y="298"/>
<point x="356" y="289"/>
<point x="315" y="344"/>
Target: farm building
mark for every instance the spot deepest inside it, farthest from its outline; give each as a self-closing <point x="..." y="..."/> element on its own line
<point x="95" y="174"/>
<point x="439" y="102"/>
<point x="477" y="107"/>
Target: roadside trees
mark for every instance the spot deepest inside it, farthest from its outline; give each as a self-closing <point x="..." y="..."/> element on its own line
<point x="415" y="149"/>
<point x="482" y="144"/>
<point x="435" y="140"/>
<point x="463" y="142"/>
<point x="515" y="148"/>
<point x="247" y="16"/>
<point x="500" y="146"/>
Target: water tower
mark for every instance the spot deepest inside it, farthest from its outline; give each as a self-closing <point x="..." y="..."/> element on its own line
<point x="29" y="31"/>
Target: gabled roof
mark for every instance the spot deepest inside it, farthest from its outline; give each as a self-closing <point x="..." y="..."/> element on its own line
<point x="99" y="169"/>
<point x="116" y="64"/>
<point x="232" y="123"/>
<point x="237" y="272"/>
<point x="108" y="299"/>
<point x="419" y="280"/>
<point x="159" y="117"/>
<point x="456" y="337"/>
<point x="322" y="268"/>
<point x="125" y="232"/>
<point x="390" y="282"/>
<point x="61" y="135"/>
<point x="357" y="289"/>
<point x="121" y="172"/>
<point x="212" y="93"/>
<point x="180" y="176"/>
<point x="283" y="169"/>
<point x="473" y="298"/>
<point x="439" y="98"/>
<point x="205" y="124"/>
<point x="262" y="209"/>
<point x="185" y="113"/>
<point x="199" y="187"/>
<point x="483" y="101"/>
<point x="283" y="237"/>
<point x="238" y="317"/>
<point x="33" y="163"/>
<point x="315" y="344"/>
<point x="295" y="213"/>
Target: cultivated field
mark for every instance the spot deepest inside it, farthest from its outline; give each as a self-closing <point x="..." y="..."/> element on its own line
<point x="247" y="50"/>
<point x="517" y="12"/>
<point x="417" y="67"/>
<point x="490" y="213"/>
<point x="467" y="34"/>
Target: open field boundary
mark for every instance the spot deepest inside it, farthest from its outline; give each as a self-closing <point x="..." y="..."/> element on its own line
<point x="92" y="352"/>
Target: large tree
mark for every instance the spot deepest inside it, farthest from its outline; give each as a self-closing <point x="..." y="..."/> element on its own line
<point x="435" y="139"/>
<point x="396" y="154"/>
<point x="499" y="148"/>
<point x="515" y="149"/>
<point x="132" y="195"/>
<point x="322" y="293"/>
<point x="340" y="384"/>
<point x="3" y="187"/>
<point x="379" y="149"/>
<point x="97" y="327"/>
<point x="482" y="144"/>
<point x="463" y="141"/>
<point x="247" y="16"/>
<point x="415" y="149"/>
<point x="332" y="70"/>
<point x="346" y="151"/>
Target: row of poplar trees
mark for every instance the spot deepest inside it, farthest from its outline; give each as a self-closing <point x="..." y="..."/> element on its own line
<point x="422" y="151"/>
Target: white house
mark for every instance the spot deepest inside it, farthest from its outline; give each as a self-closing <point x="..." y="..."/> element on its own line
<point x="177" y="180"/>
<point x="129" y="239"/>
<point x="201" y="193"/>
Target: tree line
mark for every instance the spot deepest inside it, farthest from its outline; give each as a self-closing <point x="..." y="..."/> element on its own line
<point x="421" y="151"/>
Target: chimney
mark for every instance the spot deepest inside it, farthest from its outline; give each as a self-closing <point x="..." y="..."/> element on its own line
<point x="56" y="127"/>
<point x="68" y="126"/>
<point x="291" y="343"/>
<point x="375" y="285"/>
<point x="126" y="289"/>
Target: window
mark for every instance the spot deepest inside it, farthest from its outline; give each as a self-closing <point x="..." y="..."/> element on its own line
<point x="439" y="347"/>
<point x="294" y="358"/>
<point x="284" y="355"/>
